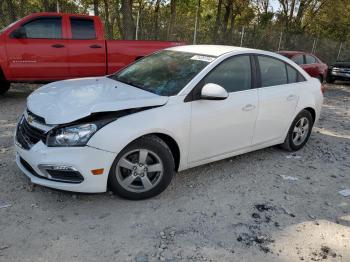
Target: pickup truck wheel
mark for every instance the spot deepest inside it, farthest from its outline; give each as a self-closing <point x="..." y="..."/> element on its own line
<point x="4" y="87"/>
<point x="299" y="131"/>
<point x="143" y="169"/>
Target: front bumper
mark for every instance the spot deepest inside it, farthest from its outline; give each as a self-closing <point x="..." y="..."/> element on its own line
<point x="341" y="73"/>
<point x="82" y="159"/>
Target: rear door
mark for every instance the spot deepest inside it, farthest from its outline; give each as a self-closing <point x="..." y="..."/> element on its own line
<point x="40" y="53"/>
<point x="87" y="52"/>
<point x="278" y="98"/>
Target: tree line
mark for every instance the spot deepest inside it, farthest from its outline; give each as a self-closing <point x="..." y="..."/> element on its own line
<point x="218" y="21"/>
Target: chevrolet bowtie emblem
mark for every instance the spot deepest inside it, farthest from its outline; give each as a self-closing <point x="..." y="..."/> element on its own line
<point x="30" y="119"/>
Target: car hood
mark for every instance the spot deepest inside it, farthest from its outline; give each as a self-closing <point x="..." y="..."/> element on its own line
<point x="69" y="100"/>
<point x="341" y="64"/>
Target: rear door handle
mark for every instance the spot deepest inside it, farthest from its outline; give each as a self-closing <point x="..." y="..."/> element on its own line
<point x="95" y="46"/>
<point x="248" y="107"/>
<point x="57" y="46"/>
<point x="291" y="97"/>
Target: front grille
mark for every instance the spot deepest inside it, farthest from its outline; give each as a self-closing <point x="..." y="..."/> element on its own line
<point x="341" y="70"/>
<point x="27" y="135"/>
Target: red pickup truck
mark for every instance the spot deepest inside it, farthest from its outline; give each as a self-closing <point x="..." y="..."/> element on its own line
<point x="45" y="47"/>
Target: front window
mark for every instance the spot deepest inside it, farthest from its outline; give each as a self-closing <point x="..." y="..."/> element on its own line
<point x="164" y="73"/>
<point x="48" y="28"/>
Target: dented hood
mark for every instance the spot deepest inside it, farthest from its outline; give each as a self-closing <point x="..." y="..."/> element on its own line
<point x="69" y="100"/>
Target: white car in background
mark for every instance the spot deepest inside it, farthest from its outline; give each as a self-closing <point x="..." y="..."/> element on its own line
<point x="170" y="111"/>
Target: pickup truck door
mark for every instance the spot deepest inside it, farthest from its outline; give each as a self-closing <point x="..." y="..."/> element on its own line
<point x="40" y="52"/>
<point x="87" y="48"/>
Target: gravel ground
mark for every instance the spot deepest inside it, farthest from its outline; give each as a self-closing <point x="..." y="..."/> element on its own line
<point x="239" y="209"/>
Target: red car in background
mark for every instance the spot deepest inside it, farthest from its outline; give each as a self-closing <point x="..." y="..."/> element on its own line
<point x="310" y="63"/>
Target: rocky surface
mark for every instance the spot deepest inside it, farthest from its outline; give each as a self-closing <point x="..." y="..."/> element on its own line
<point x="269" y="205"/>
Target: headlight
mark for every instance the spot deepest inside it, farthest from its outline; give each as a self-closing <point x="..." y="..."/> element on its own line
<point x="77" y="135"/>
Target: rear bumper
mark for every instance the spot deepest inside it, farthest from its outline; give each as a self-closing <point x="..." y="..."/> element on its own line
<point x="82" y="159"/>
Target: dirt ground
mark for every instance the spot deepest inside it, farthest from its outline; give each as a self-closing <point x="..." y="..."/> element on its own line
<point x="240" y="209"/>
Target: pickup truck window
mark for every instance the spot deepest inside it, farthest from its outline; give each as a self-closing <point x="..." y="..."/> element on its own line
<point x="45" y="28"/>
<point x="164" y="73"/>
<point x="83" y="28"/>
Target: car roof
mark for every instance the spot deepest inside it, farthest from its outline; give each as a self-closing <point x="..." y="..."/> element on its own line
<point x="210" y="50"/>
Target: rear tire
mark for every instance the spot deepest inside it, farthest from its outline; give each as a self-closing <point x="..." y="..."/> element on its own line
<point x="299" y="131"/>
<point x="143" y="169"/>
<point x="4" y="87"/>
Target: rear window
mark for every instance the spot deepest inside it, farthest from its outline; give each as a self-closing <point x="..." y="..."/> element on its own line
<point x="83" y="28"/>
<point x="293" y="75"/>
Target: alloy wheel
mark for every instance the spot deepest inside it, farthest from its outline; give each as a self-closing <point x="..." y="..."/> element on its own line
<point x="300" y="131"/>
<point x="139" y="170"/>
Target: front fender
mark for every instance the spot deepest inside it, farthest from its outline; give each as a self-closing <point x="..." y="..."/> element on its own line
<point x="172" y="120"/>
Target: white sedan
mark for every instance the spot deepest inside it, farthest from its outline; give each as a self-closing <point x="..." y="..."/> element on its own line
<point x="170" y="111"/>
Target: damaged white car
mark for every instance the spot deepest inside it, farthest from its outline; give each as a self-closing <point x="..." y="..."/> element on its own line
<point x="173" y="110"/>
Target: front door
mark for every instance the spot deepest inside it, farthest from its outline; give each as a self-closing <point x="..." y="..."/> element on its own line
<point x="40" y="53"/>
<point x="224" y="126"/>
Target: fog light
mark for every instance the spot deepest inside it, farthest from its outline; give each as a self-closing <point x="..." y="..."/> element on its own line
<point x="62" y="173"/>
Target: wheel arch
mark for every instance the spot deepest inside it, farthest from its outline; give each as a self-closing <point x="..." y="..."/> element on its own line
<point x="171" y="143"/>
<point x="312" y="111"/>
<point x="2" y="75"/>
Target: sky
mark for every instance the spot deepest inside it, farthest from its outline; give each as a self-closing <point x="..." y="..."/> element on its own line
<point x="275" y="5"/>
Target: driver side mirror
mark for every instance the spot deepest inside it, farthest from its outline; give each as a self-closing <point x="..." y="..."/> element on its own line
<point x="19" y="33"/>
<point x="213" y="92"/>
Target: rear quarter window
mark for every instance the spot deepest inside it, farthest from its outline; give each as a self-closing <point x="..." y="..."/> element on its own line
<point x="310" y="59"/>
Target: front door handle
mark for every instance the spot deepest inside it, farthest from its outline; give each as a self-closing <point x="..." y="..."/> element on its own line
<point x="291" y="97"/>
<point x="57" y="46"/>
<point x="248" y="107"/>
<point x="95" y="46"/>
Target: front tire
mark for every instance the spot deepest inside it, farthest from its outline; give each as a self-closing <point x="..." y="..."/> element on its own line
<point x="4" y="87"/>
<point x="299" y="132"/>
<point x="143" y="169"/>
